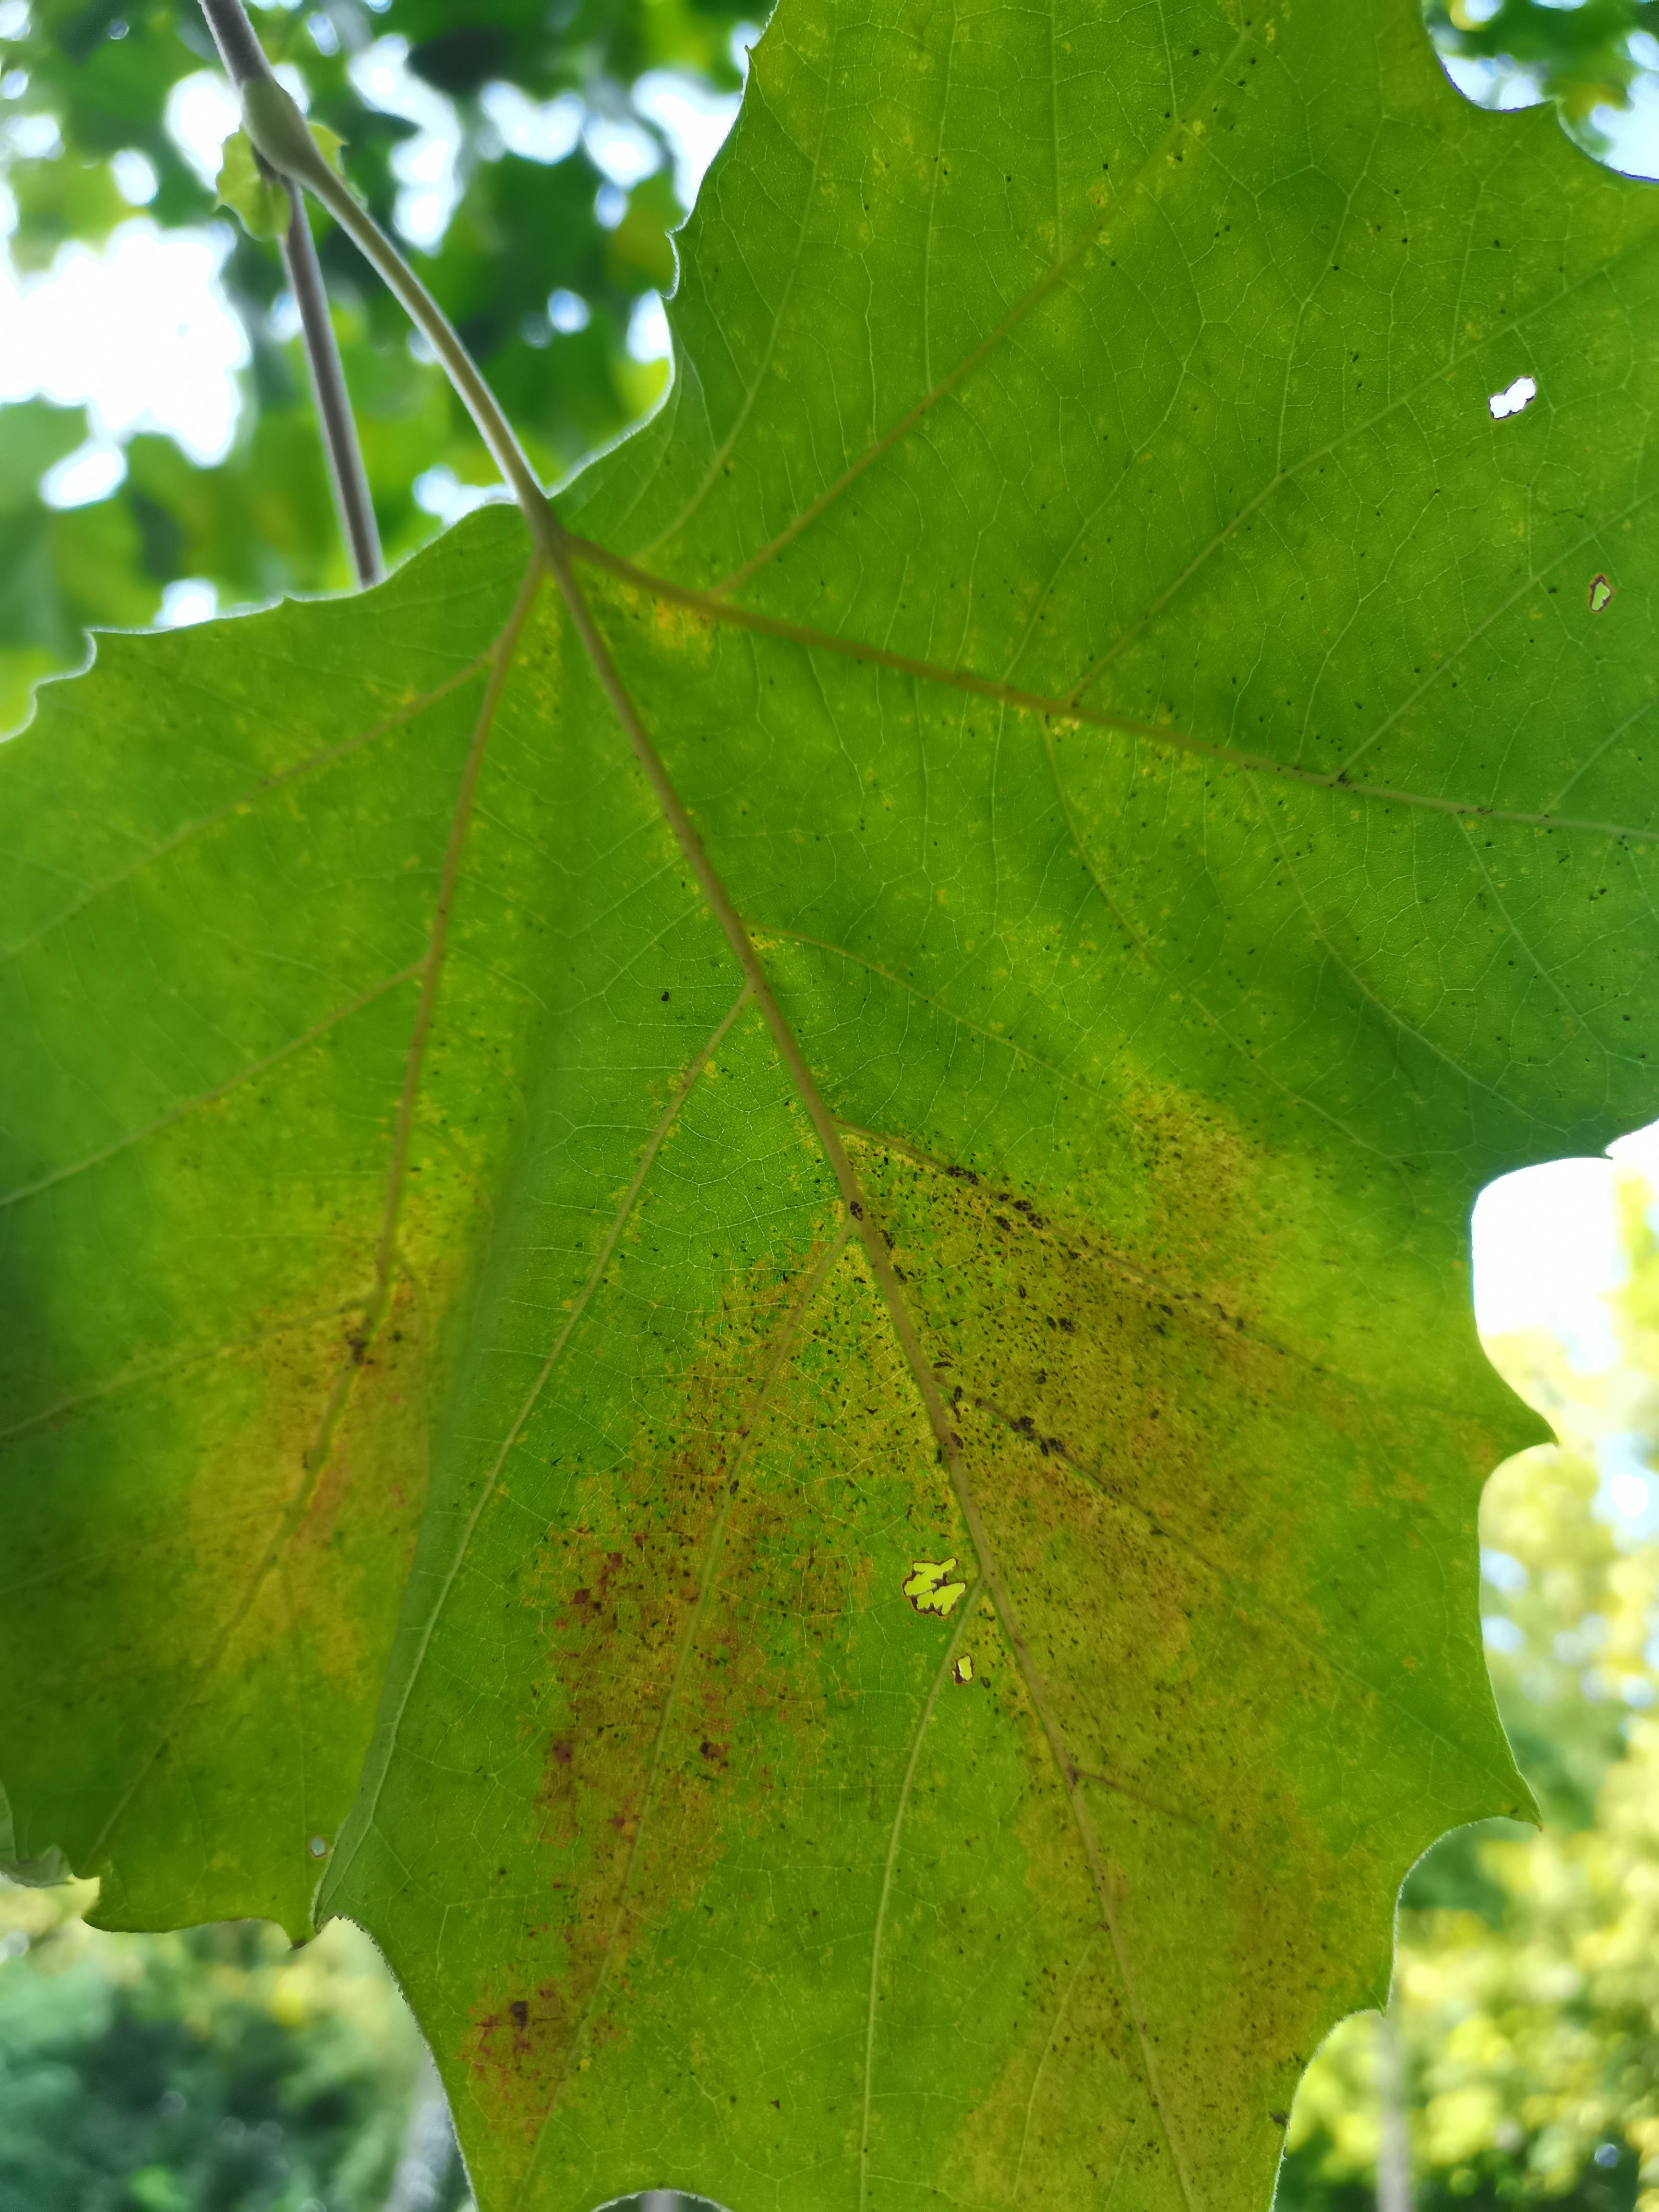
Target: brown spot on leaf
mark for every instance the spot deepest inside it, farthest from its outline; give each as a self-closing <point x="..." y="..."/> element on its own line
<point x="632" y="1817"/>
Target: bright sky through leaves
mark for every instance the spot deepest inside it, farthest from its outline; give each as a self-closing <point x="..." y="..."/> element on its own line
<point x="175" y="369"/>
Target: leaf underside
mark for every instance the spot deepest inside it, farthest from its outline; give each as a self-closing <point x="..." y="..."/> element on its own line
<point x="477" y="1386"/>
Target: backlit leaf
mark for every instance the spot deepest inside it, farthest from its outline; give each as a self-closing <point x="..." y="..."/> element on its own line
<point x="483" y="1388"/>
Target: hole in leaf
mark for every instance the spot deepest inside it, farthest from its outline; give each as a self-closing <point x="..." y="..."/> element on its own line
<point x="1600" y="592"/>
<point x="927" y="1590"/>
<point x="1513" y="399"/>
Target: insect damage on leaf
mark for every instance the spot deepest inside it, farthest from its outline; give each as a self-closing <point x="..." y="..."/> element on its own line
<point x="929" y="1591"/>
<point x="1513" y="400"/>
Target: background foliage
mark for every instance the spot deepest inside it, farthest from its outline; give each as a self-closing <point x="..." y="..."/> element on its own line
<point x="215" y="2067"/>
<point x="85" y="85"/>
<point x="1527" y="1991"/>
<point x="1595" y="55"/>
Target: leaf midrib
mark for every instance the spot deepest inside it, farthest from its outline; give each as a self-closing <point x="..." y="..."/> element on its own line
<point x="1256" y="1613"/>
<point x="1210" y="1313"/>
<point x="1058" y="709"/>
<point x="557" y="551"/>
<point x="1059" y="712"/>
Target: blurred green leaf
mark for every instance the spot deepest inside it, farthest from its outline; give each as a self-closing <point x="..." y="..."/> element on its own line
<point x="1578" y="56"/>
<point x="199" y="2072"/>
<point x="243" y="185"/>
<point x="34" y="435"/>
<point x="59" y="200"/>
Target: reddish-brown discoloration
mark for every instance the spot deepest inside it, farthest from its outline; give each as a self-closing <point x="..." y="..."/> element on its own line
<point x="623" y="1617"/>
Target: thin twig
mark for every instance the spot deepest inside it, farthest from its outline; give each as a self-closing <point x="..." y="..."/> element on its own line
<point x="237" y="42"/>
<point x="245" y="61"/>
<point x="328" y="388"/>
<point x="280" y="134"/>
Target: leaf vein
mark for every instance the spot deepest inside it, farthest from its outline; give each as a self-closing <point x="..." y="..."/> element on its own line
<point x="279" y="779"/>
<point x="362" y="1817"/>
<point x="1057" y="710"/>
<point x="818" y="1276"/>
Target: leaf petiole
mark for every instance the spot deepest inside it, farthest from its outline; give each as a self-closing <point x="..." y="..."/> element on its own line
<point x="282" y="138"/>
<point x="281" y="135"/>
<point x="244" y="62"/>
<point x="328" y="390"/>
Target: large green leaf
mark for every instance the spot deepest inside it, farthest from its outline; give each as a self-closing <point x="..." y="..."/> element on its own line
<point x="484" y="1374"/>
